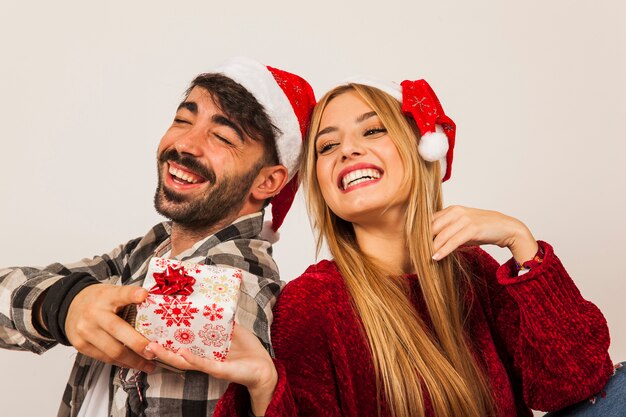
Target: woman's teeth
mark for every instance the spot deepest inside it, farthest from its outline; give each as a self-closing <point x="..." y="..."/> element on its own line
<point x="359" y="176"/>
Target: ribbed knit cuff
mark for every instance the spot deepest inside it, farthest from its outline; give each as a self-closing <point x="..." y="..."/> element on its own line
<point x="57" y="302"/>
<point x="508" y="272"/>
<point x="548" y="299"/>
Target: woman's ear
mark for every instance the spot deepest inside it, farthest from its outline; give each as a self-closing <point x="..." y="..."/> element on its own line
<point x="269" y="182"/>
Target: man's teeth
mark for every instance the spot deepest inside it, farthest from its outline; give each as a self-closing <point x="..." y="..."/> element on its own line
<point x="182" y="175"/>
<point x="359" y="176"/>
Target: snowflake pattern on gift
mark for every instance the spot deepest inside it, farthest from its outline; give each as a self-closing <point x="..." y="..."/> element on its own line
<point x="213" y="312"/>
<point x="161" y="332"/>
<point x="169" y="345"/>
<point x="219" y="288"/>
<point x="198" y="351"/>
<point x="174" y="310"/>
<point x="213" y="335"/>
<point x="200" y="322"/>
<point x="142" y="325"/>
<point x="184" y="336"/>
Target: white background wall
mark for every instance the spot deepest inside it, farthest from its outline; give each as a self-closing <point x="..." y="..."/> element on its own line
<point x="86" y="90"/>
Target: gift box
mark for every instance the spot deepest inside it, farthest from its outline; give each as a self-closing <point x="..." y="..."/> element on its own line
<point x="189" y="305"/>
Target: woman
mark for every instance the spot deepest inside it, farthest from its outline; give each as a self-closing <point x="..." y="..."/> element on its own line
<point x="409" y="319"/>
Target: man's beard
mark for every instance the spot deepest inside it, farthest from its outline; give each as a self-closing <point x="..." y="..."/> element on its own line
<point x="223" y="199"/>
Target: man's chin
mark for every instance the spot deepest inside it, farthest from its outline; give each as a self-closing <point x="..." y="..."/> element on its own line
<point x="206" y="205"/>
<point x="170" y="205"/>
<point x="170" y="195"/>
<point x="176" y="213"/>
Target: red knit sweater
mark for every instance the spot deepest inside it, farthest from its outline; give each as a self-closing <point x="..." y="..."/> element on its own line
<point x="543" y="346"/>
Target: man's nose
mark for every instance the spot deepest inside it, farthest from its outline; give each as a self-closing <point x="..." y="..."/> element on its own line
<point x="189" y="142"/>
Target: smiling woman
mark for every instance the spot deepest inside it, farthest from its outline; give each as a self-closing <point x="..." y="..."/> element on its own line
<point x="412" y="318"/>
<point x="356" y="187"/>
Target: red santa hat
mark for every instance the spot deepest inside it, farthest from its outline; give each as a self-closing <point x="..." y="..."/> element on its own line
<point x="288" y="100"/>
<point x="420" y="102"/>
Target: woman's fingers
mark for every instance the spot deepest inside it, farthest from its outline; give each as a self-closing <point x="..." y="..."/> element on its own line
<point x="247" y="363"/>
<point x="187" y="361"/>
<point x="208" y="366"/>
<point x="441" y="219"/>
<point x="452" y="227"/>
<point x="456" y="226"/>
<point x="461" y="237"/>
<point x="446" y="232"/>
<point x="169" y="358"/>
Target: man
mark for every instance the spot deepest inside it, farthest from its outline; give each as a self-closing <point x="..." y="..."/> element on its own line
<point x="233" y="146"/>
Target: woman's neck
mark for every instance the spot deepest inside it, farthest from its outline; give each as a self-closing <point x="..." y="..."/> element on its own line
<point x="386" y="245"/>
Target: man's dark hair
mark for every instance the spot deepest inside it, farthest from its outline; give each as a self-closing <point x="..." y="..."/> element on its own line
<point x="239" y="105"/>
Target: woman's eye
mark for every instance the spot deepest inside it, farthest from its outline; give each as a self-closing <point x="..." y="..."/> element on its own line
<point x="375" y="131"/>
<point x="326" y="147"/>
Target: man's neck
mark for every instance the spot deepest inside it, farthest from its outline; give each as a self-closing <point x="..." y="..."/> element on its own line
<point x="183" y="237"/>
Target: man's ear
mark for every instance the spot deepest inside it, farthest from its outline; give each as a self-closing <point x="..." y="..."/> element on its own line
<point x="269" y="182"/>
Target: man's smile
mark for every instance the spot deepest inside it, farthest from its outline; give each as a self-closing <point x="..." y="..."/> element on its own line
<point x="184" y="175"/>
<point x="182" y="178"/>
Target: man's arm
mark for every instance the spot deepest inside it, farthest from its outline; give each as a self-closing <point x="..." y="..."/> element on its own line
<point x="33" y="301"/>
<point x="20" y="290"/>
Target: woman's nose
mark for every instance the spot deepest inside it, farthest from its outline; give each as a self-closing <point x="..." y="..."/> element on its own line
<point x="351" y="148"/>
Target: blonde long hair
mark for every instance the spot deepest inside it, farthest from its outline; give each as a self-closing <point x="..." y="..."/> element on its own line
<point x="409" y="357"/>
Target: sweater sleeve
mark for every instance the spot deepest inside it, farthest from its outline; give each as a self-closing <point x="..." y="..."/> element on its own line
<point x="306" y="381"/>
<point x="21" y="288"/>
<point x="553" y="341"/>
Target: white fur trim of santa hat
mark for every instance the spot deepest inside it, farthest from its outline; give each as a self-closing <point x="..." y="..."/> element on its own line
<point x="433" y="146"/>
<point x="259" y="81"/>
<point x="389" y="87"/>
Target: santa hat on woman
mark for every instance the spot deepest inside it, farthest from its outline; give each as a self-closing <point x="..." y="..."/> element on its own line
<point x="420" y="102"/>
<point x="288" y="100"/>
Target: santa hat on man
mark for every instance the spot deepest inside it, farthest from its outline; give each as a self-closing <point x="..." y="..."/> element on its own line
<point x="419" y="101"/>
<point x="288" y="100"/>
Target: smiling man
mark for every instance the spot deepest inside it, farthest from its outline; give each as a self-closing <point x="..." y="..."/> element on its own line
<point x="232" y="148"/>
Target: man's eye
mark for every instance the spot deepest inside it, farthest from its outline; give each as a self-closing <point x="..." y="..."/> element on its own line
<point x="223" y="139"/>
<point x="181" y="121"/>
<point x="375" y="131"/>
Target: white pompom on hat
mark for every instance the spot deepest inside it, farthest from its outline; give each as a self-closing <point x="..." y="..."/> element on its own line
<point x="420" y="102"/>
<point x="288" y="100"/>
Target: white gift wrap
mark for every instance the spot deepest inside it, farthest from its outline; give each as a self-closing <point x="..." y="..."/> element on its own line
<point x="200" y="317"/>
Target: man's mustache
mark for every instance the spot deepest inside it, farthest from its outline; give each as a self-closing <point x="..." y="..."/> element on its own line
<point x="188" y="162"/>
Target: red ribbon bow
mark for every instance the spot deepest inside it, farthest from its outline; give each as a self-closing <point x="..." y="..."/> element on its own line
<point x="173" y="281"/>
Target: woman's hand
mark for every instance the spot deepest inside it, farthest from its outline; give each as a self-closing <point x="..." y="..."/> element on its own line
<point x="248" y="363"/>
<point x="455" y="226"/>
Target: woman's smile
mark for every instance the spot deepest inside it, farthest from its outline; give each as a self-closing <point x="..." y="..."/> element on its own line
<point x="358" y="175"/>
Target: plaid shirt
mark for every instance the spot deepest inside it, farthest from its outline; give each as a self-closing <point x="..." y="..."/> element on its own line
<point x="164" y="393"/>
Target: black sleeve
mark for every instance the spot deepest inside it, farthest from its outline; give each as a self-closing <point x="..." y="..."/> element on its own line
<point x="57" y="303"/>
